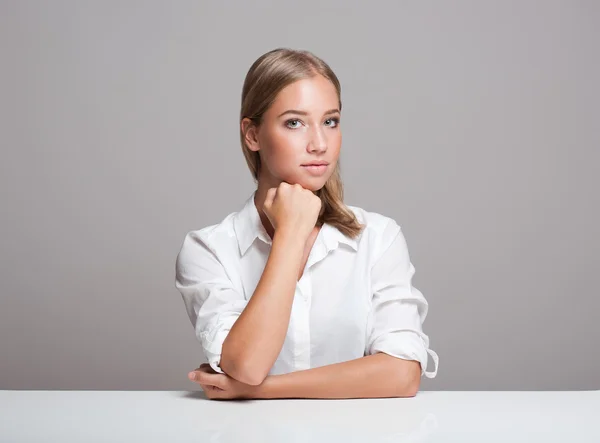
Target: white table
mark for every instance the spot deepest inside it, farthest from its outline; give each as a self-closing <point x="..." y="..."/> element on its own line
<point x="180" y="416"/>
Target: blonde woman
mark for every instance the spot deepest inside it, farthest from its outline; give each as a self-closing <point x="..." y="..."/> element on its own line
<point x="298" y="295"/>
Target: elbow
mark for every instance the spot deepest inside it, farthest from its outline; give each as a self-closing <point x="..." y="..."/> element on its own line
<point x="412" y="388"/>
<point x="407" y="374"/>
<point x="253" y="378"/>
<point x="412" y="381"/>
<point x="406" y="389"/>
<point x="243" y="370"/>
<point x="245" y="374"/>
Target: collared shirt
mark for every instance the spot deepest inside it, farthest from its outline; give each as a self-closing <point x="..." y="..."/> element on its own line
<point x="355" y="296"/>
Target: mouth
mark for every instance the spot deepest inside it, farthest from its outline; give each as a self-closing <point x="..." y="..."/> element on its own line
<point x="316" y="164"/>
<point x="316" y="169"/>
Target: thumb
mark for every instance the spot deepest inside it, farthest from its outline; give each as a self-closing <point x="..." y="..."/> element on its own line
<point x="270" y="197"/>
<point x="207" y="378"/>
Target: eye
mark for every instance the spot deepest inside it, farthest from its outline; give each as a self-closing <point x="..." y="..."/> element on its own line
<point x="335" y="120"/>
<point x="291" y="120"/>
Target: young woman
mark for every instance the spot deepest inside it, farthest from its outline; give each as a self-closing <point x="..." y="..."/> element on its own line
<point x="297" y="295"/>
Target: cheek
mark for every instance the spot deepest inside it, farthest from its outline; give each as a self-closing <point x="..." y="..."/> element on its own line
<point x="288" y="142"/>
<point x="284" y="148"/>
<point x="334" y="142"/>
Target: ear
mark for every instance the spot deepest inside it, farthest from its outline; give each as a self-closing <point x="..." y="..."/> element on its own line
<point x="250" y="131"/>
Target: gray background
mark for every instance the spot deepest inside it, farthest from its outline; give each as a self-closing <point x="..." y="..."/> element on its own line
<point x="473" y="124"/>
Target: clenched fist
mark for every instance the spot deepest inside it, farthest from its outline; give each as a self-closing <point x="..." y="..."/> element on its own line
<point x="292" y="208"/>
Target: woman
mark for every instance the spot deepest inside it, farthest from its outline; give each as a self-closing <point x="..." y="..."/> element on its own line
<point x="298" y="295"/>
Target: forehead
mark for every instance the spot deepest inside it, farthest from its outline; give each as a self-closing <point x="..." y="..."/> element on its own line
<point x="311" y="94"/>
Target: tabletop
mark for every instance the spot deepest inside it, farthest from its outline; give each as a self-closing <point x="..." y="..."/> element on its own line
<point x="181" y="416"/>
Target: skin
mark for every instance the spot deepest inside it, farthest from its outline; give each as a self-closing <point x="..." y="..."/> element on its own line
<point x="284" y="143"/>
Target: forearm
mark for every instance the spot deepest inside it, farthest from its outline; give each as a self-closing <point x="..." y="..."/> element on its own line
<point x="256" y="338"/>
<point x="373" y="376"/>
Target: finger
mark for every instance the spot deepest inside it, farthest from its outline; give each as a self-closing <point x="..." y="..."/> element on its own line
<point x="213" y="393"/>
<point x="196" y="376"/>
<point x="203" y="367"/>
<point x="270" y="197"/>
<point x="210" y="388"/>
<point x="207" y="368"/>
<point x="207" y="390"/>
<point x="204" y="377"/>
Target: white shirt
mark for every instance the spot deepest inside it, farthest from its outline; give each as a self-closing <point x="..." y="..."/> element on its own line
<point x="355" y="297"/>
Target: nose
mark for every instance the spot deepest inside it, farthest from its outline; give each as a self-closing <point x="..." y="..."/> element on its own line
<point x="317" y="141"/>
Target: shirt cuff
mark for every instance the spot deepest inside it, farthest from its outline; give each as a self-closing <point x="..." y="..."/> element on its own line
<point x="214" y="363"/>
<point x="212" y="341"/>
<point x="406" y="345"/>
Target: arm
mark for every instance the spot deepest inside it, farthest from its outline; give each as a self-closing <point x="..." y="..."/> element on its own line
<point x="253" y="344"/>
<point x="396" y="349"/>
<point x="398" y="309"/>
<point x="234" y="336"/>
<point x="373" y="376"/>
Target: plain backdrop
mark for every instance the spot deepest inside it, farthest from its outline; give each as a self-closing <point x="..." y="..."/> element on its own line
<point x="474" y="124"/>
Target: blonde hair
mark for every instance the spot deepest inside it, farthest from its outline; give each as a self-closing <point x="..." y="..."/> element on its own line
<point x="268" y="75"/>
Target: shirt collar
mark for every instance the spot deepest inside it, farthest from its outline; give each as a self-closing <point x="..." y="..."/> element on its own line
<point x="248" y="227"/>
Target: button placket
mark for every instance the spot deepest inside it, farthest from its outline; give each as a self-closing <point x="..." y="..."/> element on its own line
<point x="302" y="323"/>
<point x="302" y="305"/>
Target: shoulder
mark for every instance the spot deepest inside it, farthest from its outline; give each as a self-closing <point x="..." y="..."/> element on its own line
<point x="210" y="241"/>
<point x="379" y="230"/>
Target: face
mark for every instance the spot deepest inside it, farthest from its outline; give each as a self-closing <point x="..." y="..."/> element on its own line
<point x="301" y="127"/>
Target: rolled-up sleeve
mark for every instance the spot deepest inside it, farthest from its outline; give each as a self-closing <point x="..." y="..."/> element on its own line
<point x="212" y="302"/>
<point x="398" y="309"/>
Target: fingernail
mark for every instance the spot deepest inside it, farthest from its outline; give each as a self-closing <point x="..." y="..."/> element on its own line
<point x="192" y="375"/>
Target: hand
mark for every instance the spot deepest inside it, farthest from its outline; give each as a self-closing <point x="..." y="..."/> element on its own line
<point x="292" y="208"/>
<point x="218" y="386"/>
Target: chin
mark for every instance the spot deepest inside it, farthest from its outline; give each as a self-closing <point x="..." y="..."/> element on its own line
<point x="312" y="185"/>
<point x="312" y="188"/>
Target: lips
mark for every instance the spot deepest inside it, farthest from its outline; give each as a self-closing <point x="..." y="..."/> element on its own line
<point x="316" y="170"/>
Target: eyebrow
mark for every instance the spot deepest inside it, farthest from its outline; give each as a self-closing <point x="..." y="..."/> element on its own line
<point x="294" y="111"/>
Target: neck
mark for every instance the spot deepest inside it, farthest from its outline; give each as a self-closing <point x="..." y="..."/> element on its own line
<point x="259" y="198"/>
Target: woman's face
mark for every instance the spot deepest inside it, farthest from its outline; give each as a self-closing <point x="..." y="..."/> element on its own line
<point x="300" y="127"/>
